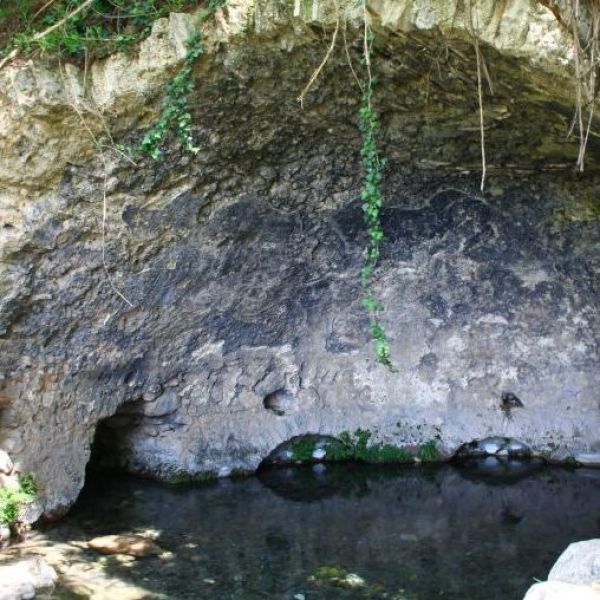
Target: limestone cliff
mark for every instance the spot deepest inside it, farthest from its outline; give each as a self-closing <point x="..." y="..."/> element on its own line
<point x="241" y="264"/>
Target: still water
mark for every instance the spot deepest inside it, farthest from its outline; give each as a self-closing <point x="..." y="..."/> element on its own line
<point x="314" y="532"/>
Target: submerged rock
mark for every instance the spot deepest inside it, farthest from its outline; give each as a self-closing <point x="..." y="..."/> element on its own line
<point x="352" y="580"/>
<point x="133" y="545"/>
<point x="490" y="446"/>
<point x="319" y="453"/>
<point x="306" y="448"/>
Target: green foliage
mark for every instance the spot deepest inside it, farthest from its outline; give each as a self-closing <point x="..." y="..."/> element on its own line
<point x="175" y="115"/>
<point x="356" y="447"/>
<point x="387" y="453"/>
<point x="303" y="448"/>
<point x="341" y="449"/>
<point x="372" y="199"/>
<point x="429" y="452"/>
<point x="28" y="484"/>
<point x="104" y="27"/>
<point x="13" y="500"/>
<point x="351" y="446"/>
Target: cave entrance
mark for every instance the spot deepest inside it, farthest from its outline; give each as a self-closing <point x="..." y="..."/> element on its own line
<point x="109" y="449"/>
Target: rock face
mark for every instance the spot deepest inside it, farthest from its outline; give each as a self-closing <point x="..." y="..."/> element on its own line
<point x="243" y="324"/>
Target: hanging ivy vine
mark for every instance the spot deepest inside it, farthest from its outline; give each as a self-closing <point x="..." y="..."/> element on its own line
<point x="371" y="194"/>
<point x="175" y="115"/>
<point x="372" y="201"/>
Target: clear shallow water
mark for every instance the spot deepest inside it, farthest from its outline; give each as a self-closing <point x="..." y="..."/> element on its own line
<point x="410" y="533"/>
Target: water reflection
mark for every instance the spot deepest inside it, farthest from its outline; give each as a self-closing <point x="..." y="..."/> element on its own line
<point x="413" y="533"/>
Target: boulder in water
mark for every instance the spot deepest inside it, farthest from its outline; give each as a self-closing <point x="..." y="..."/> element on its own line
<point x="574" y="576"/>
<point x="579" y="563"/>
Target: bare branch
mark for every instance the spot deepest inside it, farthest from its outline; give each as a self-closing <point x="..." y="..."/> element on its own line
<point x="41" y="10"/>
<point x="42" y="34"/>
<point x="481" y="124"/>
<point x="318" y="70"/>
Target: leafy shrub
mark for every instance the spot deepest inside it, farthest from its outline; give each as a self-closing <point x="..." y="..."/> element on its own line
<point x="13" y="500"/>
<point x="106" y="26"/>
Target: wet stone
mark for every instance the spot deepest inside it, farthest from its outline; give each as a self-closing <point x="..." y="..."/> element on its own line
<point x="494" y="446"/>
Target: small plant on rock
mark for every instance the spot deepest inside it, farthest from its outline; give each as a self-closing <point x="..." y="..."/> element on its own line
<point x="429" y="452"/>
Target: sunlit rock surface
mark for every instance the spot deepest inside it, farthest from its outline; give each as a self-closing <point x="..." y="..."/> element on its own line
<point x="575" y="575"/>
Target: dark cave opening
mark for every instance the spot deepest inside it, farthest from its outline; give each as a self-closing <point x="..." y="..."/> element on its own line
<point x="107" y="450"/>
